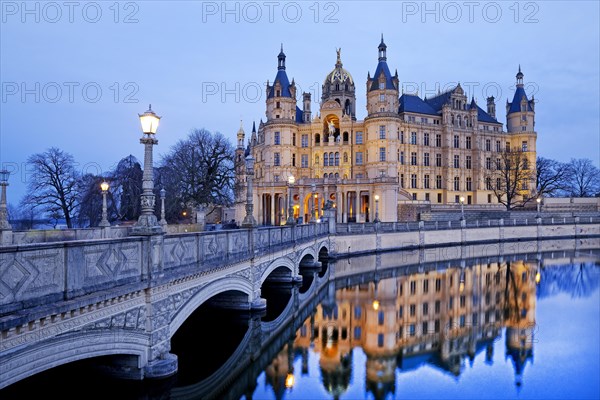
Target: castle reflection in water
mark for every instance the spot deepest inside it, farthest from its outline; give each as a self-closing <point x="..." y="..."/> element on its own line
<point x="438" y="317"/>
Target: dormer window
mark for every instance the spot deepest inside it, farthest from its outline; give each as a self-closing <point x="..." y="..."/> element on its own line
<point x="381" y="85"/>
<point x="278" y="104"/>
<point x="382" y="97"/>
<point x="278" y="93"/>
<point x="523" y="107"/>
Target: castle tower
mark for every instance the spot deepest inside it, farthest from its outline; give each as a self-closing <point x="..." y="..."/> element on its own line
<point x="382" y="89"/>
<point x="383" y="122"/>
<point x="520" y="114"/>
<point x="306" y="113"/>
<point x="281" y="96"/>
<point x="240" y="174"/>
<point x="491" y="107"/>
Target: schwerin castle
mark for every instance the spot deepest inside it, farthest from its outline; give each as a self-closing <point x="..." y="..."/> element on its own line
<point x="406" y="150"/>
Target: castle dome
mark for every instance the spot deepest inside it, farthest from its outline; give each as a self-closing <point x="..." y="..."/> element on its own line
<point x="339" y="73"/>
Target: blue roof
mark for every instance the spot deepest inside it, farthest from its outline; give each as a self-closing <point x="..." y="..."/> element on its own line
<point x="389" y="83"/>
<point x="438" y="101"/>
<point x="299" y="115"/>
<point x="414" y="104"/>
<point x="483" y="116"/>
<point x="515" y="106"/>
<point x="282" y="78"/>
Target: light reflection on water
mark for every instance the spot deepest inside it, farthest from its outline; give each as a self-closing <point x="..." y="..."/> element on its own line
<point x="517" y="329"/>
<point x="439" y="326"/>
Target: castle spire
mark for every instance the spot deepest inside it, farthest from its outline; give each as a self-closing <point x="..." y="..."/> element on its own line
<point x="382" y="50"/>
<point x="281" y="59"/>
<point x="520" y="77"/>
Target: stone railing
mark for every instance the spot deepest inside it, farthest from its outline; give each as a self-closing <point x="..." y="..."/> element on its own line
<point x="61" y="235"/>
<point x="384" y="227"/>
<point x="39" y="274"/>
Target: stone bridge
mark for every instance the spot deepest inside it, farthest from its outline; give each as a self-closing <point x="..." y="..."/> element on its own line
<point x="66" y="301"/>
<point x="126" y="297"/>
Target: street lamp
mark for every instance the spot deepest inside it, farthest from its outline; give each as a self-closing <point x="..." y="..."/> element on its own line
<point x="104" y="222"/>
<point x="539" y="204"/>
<point x="163" y="221"/>
<point x="290" y="220"/>
<point x="249" y="220"/>
<point x="147" y="223"/>
<point x="376" y="208"/>
<point x="313" y="188"/>
<point x="462" y="208"/>
<point x="4" y="225"/>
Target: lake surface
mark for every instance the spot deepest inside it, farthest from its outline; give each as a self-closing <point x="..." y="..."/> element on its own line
<point x="521" y="328"/>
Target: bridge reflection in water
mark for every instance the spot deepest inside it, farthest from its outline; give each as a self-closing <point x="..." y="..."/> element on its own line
<point x="398" y="316"/>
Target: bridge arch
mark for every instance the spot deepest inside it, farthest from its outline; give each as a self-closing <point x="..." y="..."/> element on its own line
<point x="284" y="262"/>
<point x="237" y="284"/>
<point x="75" y="346"/>
<point x="309" y="251"/>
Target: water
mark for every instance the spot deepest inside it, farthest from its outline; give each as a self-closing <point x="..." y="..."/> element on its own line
<point x="522" y="328"/>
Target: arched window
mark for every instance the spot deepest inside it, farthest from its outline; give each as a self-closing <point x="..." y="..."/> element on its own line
<point x="331" y="175"/>
<point x="337" y="175"/>
<point x="325" y="175"/>
<point x="337" y="159"/>
<point x="345" y="157"/>
<point x="325" y="160"/>
<point x="331" y="159"/>
<point x="337" y="86"/>
<point x="346" y="136"/>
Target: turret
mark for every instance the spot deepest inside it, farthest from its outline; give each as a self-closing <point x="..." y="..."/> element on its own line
<point x="253" y="135"/>
<point x="520" y="114"/>
<point x="306" y="114"/>
<point x="382" y="88"/>
<point x="491" y="107"/>
<point x="240" y="137"/>
<point x="281" y="96"/>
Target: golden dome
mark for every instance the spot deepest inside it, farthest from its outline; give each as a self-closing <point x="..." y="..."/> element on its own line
<point x="339" y="73"/>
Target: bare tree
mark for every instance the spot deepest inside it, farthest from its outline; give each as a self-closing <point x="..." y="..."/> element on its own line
<point x="53" y="184"/>
<point x="551" y="177"/>
<point x="200" y="169"/>
<point x="583" y="178"/>
<point x="90" y="202"/>
<point x="512" y="178"/>
<point x="126" y="188"/>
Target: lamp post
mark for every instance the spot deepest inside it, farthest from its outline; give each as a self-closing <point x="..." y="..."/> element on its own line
<point x="249" y="220"/>
<point x="290" y="220"/>
<point x="163" y="221"/>
<point x="462" y="208"/>
<point x="376" y="209"/>
<point x="104" y="222"/>
<point x="147" y="223"/>
<point x="313" y="189"/>
<point x="4" y="224"/>
<point x="539" y="204"/>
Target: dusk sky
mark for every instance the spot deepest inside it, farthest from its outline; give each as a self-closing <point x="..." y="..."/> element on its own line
<point x="75" y="75"/>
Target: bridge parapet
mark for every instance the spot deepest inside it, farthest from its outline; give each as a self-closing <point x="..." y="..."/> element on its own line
<point x="37" y="274"/>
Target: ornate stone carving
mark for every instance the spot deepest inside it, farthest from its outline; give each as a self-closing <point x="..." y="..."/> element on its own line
<point x="30" y="274"/>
